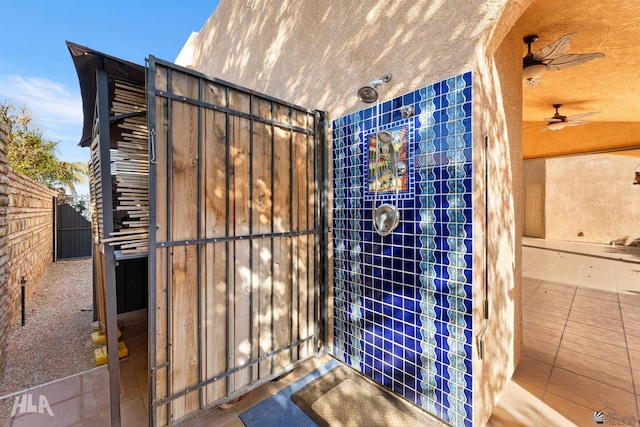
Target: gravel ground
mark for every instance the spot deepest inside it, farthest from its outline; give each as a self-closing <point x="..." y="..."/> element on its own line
<point x="56" y="340"/>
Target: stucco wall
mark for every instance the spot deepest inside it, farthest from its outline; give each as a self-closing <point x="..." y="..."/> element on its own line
<point x="30" y="236"/>
<point x="593" y="195"/>
<point x="498" y="116"/>
<point x="317" y="54"/>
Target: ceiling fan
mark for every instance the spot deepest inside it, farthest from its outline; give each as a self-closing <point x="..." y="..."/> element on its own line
<point x="558" y="121"/>
<point x="551" y="57"/>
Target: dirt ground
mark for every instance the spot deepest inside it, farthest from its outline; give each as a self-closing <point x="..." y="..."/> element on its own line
<point x="56" y="340"/>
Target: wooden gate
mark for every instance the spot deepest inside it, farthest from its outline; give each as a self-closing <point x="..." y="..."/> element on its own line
<point x="234" y="259"/>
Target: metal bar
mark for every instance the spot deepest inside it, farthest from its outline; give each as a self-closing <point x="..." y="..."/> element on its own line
<point x="273" y="177"/>
<point x="227" y="232"/>
<point x="201" y="373"/>
<point x="111" y="311"/>
<point x="121" y="117"/>
<point x="310" y="278"/>
<point x="169" y="289"/>
<point x="190" y="389"/>
<point x="245" y="389"/>
<point x="293" y="256"/>
<point x="74" y="229"/>
<point x="54" y="248"/>
<point x="23" y="284"/>
<point x="233" y="238"/>
<point x="231" y="85"/>
<point x="151" y="309"/>
<point x="251" y="281"/>
<point x="322" y="236"/>
<point x="219" y="108"/>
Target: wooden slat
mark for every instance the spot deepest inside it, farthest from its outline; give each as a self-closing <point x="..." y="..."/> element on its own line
<point x="282" y="248"/>
<point x="213" y="217"/>
<point x="162" y="255"/>
<point x="262" y="204"/>
<point x="239" y="194"/>
<point x="184" y="226"/>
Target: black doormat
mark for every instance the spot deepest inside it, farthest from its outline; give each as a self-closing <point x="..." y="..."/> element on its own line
<point x="343" y="397"/>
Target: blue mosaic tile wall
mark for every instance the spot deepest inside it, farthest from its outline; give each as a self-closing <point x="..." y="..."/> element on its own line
<point x="402" y="302"/>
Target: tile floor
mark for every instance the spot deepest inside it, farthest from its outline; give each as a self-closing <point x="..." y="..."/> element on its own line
<point x="82" y="400"/>
<point x="581" y="337"/>
<point x="581" y="352"/>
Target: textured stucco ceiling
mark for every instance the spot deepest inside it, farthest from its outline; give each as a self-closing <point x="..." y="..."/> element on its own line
<point x="609" y="86"/>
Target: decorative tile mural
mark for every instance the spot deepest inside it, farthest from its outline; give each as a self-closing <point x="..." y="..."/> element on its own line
<point x="389" y="168"/>
<point x="402" y="302"/>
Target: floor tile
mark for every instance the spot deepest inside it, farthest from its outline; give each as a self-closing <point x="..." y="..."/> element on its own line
<point x="546" y="309"/>
<point x="95" y="402"/>
<point x="129" y="390"/>
<point x="598" y="294"/>
<point x="541" y="333"/>
<point x="597" y="321"/>
<point x="95" y="379"/>
<point x="630" y="312"/>
<point x="582" y="345"/>
<point x="558" y="411"/>
<point x="550" y="320"/>
<point x="631" y="299"/>
<point x="65" y="414"/>
<point x="598" y="307"/>
<point x="59" y="391"/>
<point x="214" y="418"/>
<point x="133" y="414"/>
<point x="596" y="368"/>
<point x="595" y="333"/>
<point x="104" y="420"/>
<point x="588" y="392"/>
<point x="631" y="328"/>
<point x="551" y="298"/>
<point x="532" y="372"/>
<point x="517" y="407"/>
<point x="539" y="350"/>
<point x="558" y="286"/>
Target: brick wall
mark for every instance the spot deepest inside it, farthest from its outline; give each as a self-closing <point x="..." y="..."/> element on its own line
<point x="30" y="236"/>
<point x="5" y="315"/>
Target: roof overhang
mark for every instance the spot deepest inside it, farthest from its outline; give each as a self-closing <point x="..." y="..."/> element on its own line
<point x="87" y="62"/>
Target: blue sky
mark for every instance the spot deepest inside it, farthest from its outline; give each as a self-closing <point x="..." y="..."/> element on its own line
<point x="36" y="68"/>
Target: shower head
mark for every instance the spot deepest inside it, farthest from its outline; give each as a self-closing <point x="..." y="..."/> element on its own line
<point x="369" y="93"/>
<point x="385" y="136"/>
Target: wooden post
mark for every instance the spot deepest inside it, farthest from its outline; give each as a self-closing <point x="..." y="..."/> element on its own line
<point x="102" y="100"/>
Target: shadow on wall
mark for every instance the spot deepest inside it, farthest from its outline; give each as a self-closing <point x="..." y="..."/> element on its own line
<point x="318" y="54"/>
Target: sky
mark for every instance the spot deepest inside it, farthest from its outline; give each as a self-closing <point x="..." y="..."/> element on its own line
<point x="36" y="68"/>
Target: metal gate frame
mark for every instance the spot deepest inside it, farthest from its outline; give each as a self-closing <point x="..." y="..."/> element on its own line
<point x="162" y="243"/>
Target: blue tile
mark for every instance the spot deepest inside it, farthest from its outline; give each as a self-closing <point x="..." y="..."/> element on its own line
<point x="392" y="275"/>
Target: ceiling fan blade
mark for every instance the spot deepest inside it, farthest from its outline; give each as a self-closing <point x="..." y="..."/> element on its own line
<point x="578" y="117"/>
<point x="555" y="49"/>
<point x="567" y="61"/>
<point x="535" y="126"/>
<point x="531" y="82"/>
<point x="578" y="123"/>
